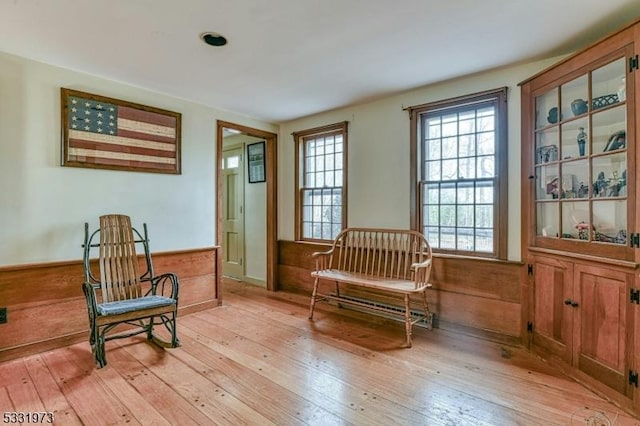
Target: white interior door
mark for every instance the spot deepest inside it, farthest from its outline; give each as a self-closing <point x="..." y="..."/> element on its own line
<point x="233" y="213"/>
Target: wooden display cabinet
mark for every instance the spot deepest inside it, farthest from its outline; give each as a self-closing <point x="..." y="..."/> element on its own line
<point x="579" y="206"/>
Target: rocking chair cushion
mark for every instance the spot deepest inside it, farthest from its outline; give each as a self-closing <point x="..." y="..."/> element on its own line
<point x="124" y="306"/>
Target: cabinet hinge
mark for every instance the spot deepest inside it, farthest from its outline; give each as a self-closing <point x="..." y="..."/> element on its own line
<point x="633" y="378"/>
<point x="633" y="63"/>
<point x="529" y="327"/>
<point x="529" y="269"/>
<point x="634" y="240"/>
<point x="634" y="296"/>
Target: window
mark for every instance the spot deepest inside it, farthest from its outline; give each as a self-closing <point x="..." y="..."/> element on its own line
<point x="320" y="185"/>
<point x="461" y="173"/>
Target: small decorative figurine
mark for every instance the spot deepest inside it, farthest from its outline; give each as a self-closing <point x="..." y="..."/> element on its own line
<point x="582" y="140"/>
<point x="600" y="186"/>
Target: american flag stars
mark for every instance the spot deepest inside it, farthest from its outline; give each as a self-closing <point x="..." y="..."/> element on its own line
<point x="92" y="115"/>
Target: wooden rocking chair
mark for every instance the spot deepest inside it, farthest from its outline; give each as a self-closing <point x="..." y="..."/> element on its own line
<point x="121" y="295"/>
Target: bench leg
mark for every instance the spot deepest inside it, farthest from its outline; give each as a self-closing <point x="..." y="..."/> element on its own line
<point x="407" y="319"/>
<point x="428" y="316"/>
<point x="313" y="298"/>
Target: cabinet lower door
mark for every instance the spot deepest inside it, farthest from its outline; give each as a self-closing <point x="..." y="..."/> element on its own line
<point x="603" y="326"/>
<point x="553" y="319"/>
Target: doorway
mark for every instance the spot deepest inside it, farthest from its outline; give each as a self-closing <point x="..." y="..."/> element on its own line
<point x="232" y="259"/>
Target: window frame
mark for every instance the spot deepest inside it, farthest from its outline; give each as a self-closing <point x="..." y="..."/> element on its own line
<point x="299" y="139"/>
<point x="500" y="214"/>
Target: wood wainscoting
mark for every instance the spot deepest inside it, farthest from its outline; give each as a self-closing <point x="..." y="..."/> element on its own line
<point x="470" y="295"/>
<point x="46" y="307"/>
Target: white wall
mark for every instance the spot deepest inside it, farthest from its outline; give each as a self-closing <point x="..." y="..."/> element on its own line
<point x="43" y="206"/>
<point x="378" y="152"/>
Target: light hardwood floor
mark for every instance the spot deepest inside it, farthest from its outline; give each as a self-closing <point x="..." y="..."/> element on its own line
<point x="258" y="360"/>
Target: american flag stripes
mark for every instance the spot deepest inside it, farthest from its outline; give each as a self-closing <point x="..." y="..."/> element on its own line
<point x="106" y="133"/>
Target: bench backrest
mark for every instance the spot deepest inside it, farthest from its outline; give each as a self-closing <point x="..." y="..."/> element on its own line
<point x="385" y="253"/>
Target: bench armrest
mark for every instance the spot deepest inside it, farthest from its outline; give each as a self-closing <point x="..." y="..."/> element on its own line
<point x="422" y="272"/>
<point x="322" y="259"/>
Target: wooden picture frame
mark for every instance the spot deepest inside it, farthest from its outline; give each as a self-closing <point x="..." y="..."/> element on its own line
<point x="256" y="162"/>
<point x="105" y="133"/>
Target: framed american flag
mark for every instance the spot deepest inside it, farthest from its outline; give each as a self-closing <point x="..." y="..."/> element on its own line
<point x="107" y="133"/>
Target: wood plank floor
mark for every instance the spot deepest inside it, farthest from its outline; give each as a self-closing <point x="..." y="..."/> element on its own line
<point x="258" y="360"/>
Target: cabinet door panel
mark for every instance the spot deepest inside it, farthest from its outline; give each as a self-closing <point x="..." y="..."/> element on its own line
<point x="601" y="349"/>
<point x="552" y="318"/>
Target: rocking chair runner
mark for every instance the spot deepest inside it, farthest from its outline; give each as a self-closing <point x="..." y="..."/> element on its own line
<point x="118" y="296"/>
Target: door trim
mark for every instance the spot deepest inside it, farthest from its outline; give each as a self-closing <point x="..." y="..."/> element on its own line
<point x="271" y="140"/>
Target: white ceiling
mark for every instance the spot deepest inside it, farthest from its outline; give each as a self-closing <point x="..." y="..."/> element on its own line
<point x="290" y="58"/>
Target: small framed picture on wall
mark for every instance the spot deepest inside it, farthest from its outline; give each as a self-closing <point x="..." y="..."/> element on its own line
<point x="256" y="162"/>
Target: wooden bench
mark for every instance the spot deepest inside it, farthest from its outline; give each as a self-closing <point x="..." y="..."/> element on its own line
<point x="395" y="261"/>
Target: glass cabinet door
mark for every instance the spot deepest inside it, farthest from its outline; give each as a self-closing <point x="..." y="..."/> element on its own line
<point x="581" y="158"/>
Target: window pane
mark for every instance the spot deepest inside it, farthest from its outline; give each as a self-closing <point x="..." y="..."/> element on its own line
<point x="448" y="238"/>
<point x="450" y="147"/>
<point x="467" y="168"/>
<point x="484" y="192"/>
<point x="465" y="193"/>
<point x="467" y="145"/>
<point x="433" y="235"/>
<point x="486" y="143"/>
<point x="465" y="239"/>
<point x="448" y="193"/>
<point x="434" y="149"/>
<point x="467" y="122"/>
<point x="433" y="216"/>
<point x="310" y="180"/>
<point x="450" y="125"/>
<point x="486" y="166"/>
<point x="484" y="216"/>
<point x="465" y="216"/>
<point x="329" y="163"/>
<point x="233" y="162"/>
<point x="329" y="146"/>
<point x="450" y="169"/>
<point x="432" y="128"/>
<point x="447" y="215"/>
<point x="432" y="194"/>
<point x="310" y="165"/>
<point x="484" y="240"/>
<point x="433" y="169"/>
